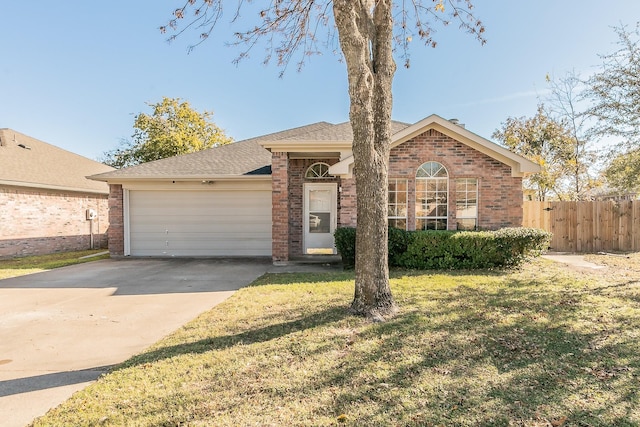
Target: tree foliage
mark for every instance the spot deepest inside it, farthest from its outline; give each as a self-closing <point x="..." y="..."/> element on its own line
<point x="614" y="92"/>
<point x="623" y="172"/>
<point x="172" y="129"/>
<point x="545" y="141"/>
<point x="367" y="32"/>
<point x="615" y="106"/>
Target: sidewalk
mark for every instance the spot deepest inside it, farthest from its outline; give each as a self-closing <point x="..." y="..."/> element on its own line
<point x="573" y="260"/>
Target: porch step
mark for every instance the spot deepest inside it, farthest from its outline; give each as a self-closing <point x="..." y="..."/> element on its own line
<point x="316" y="259"/>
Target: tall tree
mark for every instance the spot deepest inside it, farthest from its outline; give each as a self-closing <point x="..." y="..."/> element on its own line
<point x="173" y="128"/>
<point x="544" y="141"/>
<point x="614" y="89"/>
<point x="615" y="107"/>
<point x="367" y="31"/>
<point x="623" y="172"/>
<point x="566" y="95"/>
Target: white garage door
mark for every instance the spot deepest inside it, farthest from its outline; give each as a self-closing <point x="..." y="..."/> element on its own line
<point x="200" y="223"/>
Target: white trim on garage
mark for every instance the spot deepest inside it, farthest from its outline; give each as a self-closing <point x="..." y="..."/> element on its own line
<point x="198" y="220"/>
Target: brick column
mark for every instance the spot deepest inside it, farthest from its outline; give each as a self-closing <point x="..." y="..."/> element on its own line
<point x="347" y="197"/>
<point x="116" y="220"/>
<point x="280" y="207"/>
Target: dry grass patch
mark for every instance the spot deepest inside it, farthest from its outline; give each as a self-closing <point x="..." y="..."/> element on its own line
<point x="542" y="346"/>
<point x="35" y="264"/>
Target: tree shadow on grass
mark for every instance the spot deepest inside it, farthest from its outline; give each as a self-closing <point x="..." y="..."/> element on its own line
<point x="538" y="364"/>
<point x="259" y="335"/>
<point x="513" y="355"/>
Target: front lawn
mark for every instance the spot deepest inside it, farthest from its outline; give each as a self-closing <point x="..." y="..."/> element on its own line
<point x="542" y="346"/>
<point x="34" y="264"/>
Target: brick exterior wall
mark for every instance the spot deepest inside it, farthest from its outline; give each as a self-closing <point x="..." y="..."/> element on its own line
<point x="116" y="220"/>
<point x="280" y="206"/>
<point x="499" y="194"/>
<point x="38" y="221"/>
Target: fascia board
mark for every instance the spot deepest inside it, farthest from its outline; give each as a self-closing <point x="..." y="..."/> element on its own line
<point x="51" y="187"/>
<point x="188" y="178"/>
<point x="306" y="146"/>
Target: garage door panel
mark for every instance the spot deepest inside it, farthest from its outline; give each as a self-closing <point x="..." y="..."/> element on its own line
<point x="202" y="228"/>
<point x="200" y="223"/>
<point x="219" y="207"/>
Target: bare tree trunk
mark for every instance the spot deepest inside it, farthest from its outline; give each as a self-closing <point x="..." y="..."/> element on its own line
<point x="365" y="31"/>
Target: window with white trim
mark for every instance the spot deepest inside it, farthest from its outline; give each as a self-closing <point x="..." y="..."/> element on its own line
<point x="318" y="170"/>
<point x="397" y="211"/>
<point x="432" y="197"/>
<point x="467" y="203"/>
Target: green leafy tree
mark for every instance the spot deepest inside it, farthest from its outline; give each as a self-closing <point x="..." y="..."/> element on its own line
<point x="613" y="92"/>
<point x="172" y="129"/>
<point x="544" y="141"/>
<point x="623" y="172"/>
<point x="368" y="33"/>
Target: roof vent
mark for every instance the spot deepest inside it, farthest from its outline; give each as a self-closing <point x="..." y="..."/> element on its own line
<point x="26" y="147"/>
<point x="1" y="142"/>
<point x="456" y="122"/>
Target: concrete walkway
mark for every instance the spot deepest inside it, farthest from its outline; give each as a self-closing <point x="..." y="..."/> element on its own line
<point x="61" y="329"/>
<point x="573" y="260"/>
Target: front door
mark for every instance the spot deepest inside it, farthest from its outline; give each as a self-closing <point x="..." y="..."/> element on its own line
<point x="320" y="202"/>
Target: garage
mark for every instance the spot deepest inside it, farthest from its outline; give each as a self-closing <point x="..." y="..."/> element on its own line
<point x="214" y="223"/>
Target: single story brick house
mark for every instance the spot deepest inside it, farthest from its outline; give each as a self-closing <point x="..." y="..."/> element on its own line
<point x="282" y="195"/>
<point x="46" y="202"/>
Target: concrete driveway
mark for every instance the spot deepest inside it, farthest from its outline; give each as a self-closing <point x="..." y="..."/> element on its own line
<point x="61" y="329"/>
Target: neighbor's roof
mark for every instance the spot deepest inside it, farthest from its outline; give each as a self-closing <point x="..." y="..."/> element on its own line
<point x="244" y="158"/>
<point x="29" y="162"/>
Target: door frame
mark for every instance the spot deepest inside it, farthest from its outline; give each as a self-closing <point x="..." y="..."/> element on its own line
<point x="333" y="187"/>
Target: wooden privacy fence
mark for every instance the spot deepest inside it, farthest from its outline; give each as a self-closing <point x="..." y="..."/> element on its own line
<point x="587" y="226"/>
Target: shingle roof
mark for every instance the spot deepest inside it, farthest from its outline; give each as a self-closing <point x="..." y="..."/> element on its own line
<point x="339" y="132"/>
<point x="240" y="158"/>
<point x="26" y="161"/>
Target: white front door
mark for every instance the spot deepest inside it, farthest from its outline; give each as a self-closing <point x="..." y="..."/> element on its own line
<point x="320" y="208"/>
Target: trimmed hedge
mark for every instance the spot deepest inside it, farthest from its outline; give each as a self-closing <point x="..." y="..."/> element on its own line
<point x="450" y="250"/>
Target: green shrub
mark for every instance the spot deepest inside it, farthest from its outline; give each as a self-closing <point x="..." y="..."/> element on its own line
<point x="345" y="240"/>
<point x="521" y="243"/>
<point x="426" y="250"/>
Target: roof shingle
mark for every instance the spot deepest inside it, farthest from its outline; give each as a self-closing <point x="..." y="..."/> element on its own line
<point x="245" y="157"/>
<point x="26" y="161"/>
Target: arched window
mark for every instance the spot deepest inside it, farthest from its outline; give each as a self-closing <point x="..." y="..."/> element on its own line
<point x="432" y="197"/>
<point x="318" y="171"/>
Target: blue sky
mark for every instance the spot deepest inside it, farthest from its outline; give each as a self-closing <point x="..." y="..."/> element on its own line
<point x="74" y="73"/>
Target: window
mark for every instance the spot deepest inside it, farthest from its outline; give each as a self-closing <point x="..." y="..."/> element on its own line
<point x="397" y="212"/>
<point x="432" y="197"/>
<point x="318" y="171"/>
<point x="467" y="203"/>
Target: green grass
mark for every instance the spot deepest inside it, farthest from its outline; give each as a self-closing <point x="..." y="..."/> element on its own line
<point x="34" y="264"/>
<point x="540" y="346"/>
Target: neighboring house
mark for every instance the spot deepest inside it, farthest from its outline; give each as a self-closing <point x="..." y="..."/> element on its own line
<point x="282" y="195"/>
<point x="45" y="198"/>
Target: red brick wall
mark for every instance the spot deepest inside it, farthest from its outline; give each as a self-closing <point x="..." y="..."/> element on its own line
<point x="347" y="199"/>
<point x="499" y="194"/>
<point x="116" y="220"/>
<point x="280" y="206"/>
<point x="37" y="221"/>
